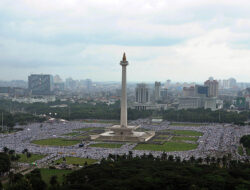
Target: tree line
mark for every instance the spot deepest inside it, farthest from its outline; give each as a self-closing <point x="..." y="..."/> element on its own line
<point x="145" y="172"/>
<point x="112" y="112"/>
<point x="206" y="115"/>
<point x="11" y="119"/>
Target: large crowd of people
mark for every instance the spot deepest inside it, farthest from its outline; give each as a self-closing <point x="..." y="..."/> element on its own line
<point x="217" y="139"/>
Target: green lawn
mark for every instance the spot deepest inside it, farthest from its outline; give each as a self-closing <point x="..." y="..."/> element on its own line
<point x="179" y="138"/>
<point x="101" y="121"/>
<point x="168" y="146"/>
<point x="185" y="132"/>
<point x="76" y="160"/>
<point x="89" y="129"/>
<point x="187" y="124"/>
<point x="56" y="142"/>
<point x="81" y="137"/>
<point x="71" y="134"/>
<point x="106" y="145"/>
<point x="47" y="173"/>
<point x="240" y="150"/>
<point x="33" y="158"/>
<point x="164" y="136"/>
<point x="158" y="140"/>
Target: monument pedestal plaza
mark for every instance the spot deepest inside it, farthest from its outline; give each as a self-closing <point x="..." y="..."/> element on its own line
<point x="123" y="132"/>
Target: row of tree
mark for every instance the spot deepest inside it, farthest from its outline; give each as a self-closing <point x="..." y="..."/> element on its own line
<point x="206" y="115"/>
<point x="144" y="172"/>
<point x="104" y="111"/>
<point x="166" y="172"/>
<point x="11" y="119"/>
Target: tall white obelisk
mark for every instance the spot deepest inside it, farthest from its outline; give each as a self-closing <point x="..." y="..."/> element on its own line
<point x="124" y="64"/>
<point x="123" y="132"/>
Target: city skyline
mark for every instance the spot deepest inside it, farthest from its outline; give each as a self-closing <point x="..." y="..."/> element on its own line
<point x="183" y="41"/>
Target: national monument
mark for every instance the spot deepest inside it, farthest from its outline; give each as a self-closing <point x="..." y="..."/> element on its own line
<point x="124" y="132"/>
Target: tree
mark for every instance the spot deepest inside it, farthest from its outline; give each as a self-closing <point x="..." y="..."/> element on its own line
<point x="218" y="161"/>
<point x="199" y="160"/>
<point x="207" y="159"/>
<point x="213" y="159"/>
<point x="164" y="156"/>
<point x="28" y="154"/>
<point x="130" y="154"/>
<point x="5" y="149"/>
<point x="25" y="151"/>
<point x="4" y="163"/>
<point x="36" y="181"/>
<point x="53" y="181"/>
<point x="171" y="158"/>
<point x="192" y="159"/>
<point x="85" y="164"/>
<point x="178" y="159"/>
<point x="11" y="152"/>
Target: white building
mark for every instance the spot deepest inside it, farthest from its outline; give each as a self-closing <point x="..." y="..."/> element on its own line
<point x="213" y="87"/>
<point x="142" y="93"/>
<point x="157" y="91"/>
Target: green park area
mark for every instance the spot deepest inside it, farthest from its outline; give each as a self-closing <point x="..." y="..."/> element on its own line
<point x="106" y="145"/>
<point x="101" y="121"/>
<point x="89" y="129"/>
<point x="167" y="146"/>
<point x="183" y="138"/>
<point x="164" y="136"/>
<point x="76" y="160"/>
<point x="32" y="158"/>
<point x="48" y="173"/>
<point x="71" y="134"/>
<point x="56" y="142"/>
<point x="187" y="124"/>
<point x="171" y="140"/>
<point x="185" y="132"/>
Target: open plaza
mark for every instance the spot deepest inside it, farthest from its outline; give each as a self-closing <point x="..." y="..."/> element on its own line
<point x="57" y="140"/>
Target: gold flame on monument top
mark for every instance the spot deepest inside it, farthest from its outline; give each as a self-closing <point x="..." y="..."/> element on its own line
<point x="124" y="59"/>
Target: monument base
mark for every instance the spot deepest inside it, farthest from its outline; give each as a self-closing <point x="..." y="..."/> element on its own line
<point x="124" y="134"/>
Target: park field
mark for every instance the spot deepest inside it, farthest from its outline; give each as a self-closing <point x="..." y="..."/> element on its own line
<point x="183" y="138"/>
<point x="187" y="124"/>
<point x="47" y="173"/>
<point x="33" y="158"/>
<point x="106" y="145"/>
<point x="89" y="129"/>
<point x="185" y="132"/>
<point x="56" y="142"/>
<point x="71" y="134"/>
<point x="167" y="147"/>
<point x="102" y="121"/>
<point x="76" y="160"/>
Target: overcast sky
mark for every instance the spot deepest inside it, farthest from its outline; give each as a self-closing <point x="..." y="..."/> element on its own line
<point x="181" y="40"/>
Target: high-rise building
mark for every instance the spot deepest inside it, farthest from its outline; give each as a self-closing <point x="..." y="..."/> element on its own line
<point x="188" y="91"/>
<point x="213" y="87"/>
<point x="168" y="82"/>
<point x="157" y="91"/>
<point x="142" y="93"/>
<point x="70" y="84"/>
<point x="164" y="95"/>
<point x="232" y="83"/>
<point x="40" y="84"/>
<point x="201" y="91"/>
<point x="88" y="84"/>
<point x="58" y="83"/>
